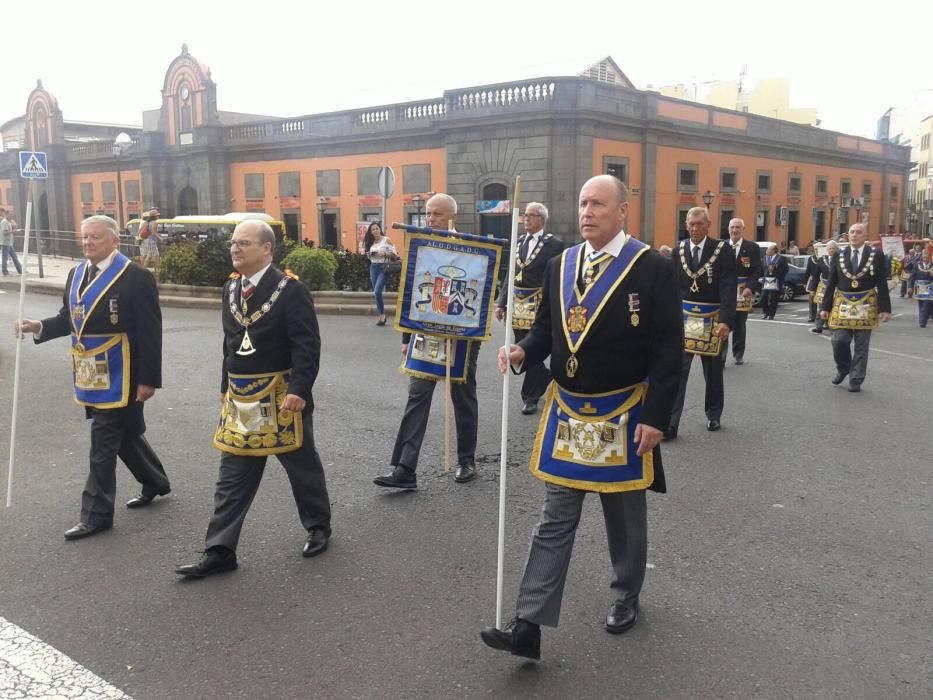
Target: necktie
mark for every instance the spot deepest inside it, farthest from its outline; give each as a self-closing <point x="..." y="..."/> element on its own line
<point x="91" y="274"/>
<point x="526" y="244"/>
<point x="247" y="289"/>
<point x="696" y="258"/>
<point x="854" y="260"/>
<point x="591" y="266"/>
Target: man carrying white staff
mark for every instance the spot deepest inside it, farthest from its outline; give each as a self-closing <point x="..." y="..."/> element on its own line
<point x="610" y="319"/>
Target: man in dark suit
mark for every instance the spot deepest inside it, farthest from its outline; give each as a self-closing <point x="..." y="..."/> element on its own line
<point x="748" y="265"/>
<point x="773" y="274"/>
<point x="111" y="310"/>
<point x="534" y="250"/>
<point x="856" y="298"/>
<point x="816" y="285"/>
<point x="610" y="319"/>
<point x="271" y="356"/>
<point x="440" y="213"/>
<point x="706" y="271"/>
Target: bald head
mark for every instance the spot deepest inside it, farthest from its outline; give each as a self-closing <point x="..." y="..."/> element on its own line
<point x="251" y="246"/>
<point x="440" y="211"/>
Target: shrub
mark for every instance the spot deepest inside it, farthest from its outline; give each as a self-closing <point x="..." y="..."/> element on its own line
<point x="214" y="257"/>
<point x="180" y="264"/>
<point x="352" y="272"/>
<point x="314" y="266"/>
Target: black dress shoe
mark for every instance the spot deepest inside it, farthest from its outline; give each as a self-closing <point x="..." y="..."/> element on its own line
<point x="713" y="425"/>
<point x="84" y="530"/>
<point x="316" y="543"/>
<point x="398" y="478"/>
<point x="529" y="407"/>
<point x="622" y="617"/>
<point x="144" y="499"/>
<point x="520" y="637"/>
<point x="465" y="473"/>
<point x="855" y="387"/>
<point x="740" y="360"/>
<point x="839" y="377"/>
<point x="214" y="561"/>
<point x="669" y="434"/>
<point x="818" y="331"/>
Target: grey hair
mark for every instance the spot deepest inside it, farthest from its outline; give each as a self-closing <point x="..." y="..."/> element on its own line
<point x="542" y="210"/>
<point x="699" y="210"/>
<point x="447" y="199"/>
<point x="266" y="234"/>
<point x="741" y="221"/>
<point x="104" y="221"/>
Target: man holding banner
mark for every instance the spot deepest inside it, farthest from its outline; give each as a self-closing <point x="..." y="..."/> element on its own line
<point x="531" y="258"/>
<point x="442" y="293"/>
<point x="111" y="311"/>
<point x="610" y="319"/>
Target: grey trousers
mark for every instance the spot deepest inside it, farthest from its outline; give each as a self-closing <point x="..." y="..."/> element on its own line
<point x="418" y="410"/>
<point x="239" y="481"/>
<point x="855" y="364"/>
<point x="626" y="519"/>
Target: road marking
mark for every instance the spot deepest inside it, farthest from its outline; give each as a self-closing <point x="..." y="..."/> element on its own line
<point x="900" y="354"/>
<point x="30" y="668"/>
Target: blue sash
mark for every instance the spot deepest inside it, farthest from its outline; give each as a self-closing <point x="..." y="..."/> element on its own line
<point x="579" y="311"/>
<point x="100" y="362"/>
<point x="587" y="442"/>
<point x="252" y="422"/>
<point x="426" y="358"/>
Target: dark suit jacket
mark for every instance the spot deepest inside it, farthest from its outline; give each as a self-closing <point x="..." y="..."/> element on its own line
<point x="533" y="274"/>
<point x="812" y="275"/>
<point x="722" y="288"/>
<point x="616" y="353"/>
<point x="136" y="298"/>
<point x="286" y="337"/>
<point x="748" y="263"/>
<point x="879" y="280"/>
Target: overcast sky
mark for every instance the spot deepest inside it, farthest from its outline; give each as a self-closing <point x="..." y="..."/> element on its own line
<point x="105" y="61"/>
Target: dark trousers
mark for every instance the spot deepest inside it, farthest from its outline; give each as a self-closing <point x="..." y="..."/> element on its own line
<point x="926" y="310"/>
<point x="418" y="410"/>
<point x="814" y="311"/>
<point x="715" y="394"/>
<point x="769" y="303"/>
<point x="903" y="288"/>
<point x="626" y="518"/>
<point x="738" y="337"/>
<point x="118" y="433"/>
<point x="853" y="362"/>
<point x="537" y="377"/>
<point x="239" y="481"/>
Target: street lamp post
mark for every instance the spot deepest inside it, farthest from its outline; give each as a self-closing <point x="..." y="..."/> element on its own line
<point x="708" y="198"/>
<point x="321" y="205"/>
<point x="120" y="144"/>
<point x="832" y="207"/>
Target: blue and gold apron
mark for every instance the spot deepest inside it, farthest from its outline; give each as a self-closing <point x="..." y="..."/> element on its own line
<point x="427" y="358"/>
<point x="743" y="304"/>
<point x="854" y="311"/>
<point x="700" y="321"/>
<point x="525" y="306"/>
<point x="100" y="361"/>
<point x="587" y="442"/>
<point x="252" y="422"/>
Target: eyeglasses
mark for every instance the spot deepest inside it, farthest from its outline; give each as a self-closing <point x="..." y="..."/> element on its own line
<point x="240" y="244"/>
<point x="537" y="216"/>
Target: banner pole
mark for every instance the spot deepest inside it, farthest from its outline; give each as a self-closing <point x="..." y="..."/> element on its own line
<point x="19" y="344"/>
<point x="504" y="444"/>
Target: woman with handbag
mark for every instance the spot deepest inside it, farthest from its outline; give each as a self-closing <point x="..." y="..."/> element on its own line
<point x="381" y="252"/>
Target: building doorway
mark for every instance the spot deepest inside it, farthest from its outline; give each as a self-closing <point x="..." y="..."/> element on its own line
<point x="819" y="224"/>
<point x="496" y="225"/>
<point x="761" y="225"/>
<point x="187" y="201"/>
<point x="793" y="226"/>
<point x="725" y="216"/>
<point x="682" y="232"/>
<point x="292" y="222"/>
<point x="330" y="236"/>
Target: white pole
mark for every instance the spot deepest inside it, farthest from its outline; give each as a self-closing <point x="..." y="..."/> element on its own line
<point x="503" y="446"/>
<point x="19" y="345"/>
<point x="448" y="346"/>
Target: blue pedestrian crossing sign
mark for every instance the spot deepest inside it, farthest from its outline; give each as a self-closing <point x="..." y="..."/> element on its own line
<point x="33" y="164"/>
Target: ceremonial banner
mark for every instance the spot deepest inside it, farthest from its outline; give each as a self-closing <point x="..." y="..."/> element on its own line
<point x="448" y="284"/>
<point x="587" y="442"/>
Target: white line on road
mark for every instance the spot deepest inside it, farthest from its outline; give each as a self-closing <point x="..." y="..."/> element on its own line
<point x="30" y="668"/>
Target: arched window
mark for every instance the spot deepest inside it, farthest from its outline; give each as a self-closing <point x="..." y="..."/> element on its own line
<point x="184" y="108"/>
<point x="495" y="190"/>
<point x="41" y="126"/>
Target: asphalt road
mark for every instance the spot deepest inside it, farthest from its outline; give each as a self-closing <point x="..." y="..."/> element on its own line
<point x="791" y="557"/>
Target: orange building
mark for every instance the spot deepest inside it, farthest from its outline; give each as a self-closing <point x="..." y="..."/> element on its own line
<point x="318" y="173"/>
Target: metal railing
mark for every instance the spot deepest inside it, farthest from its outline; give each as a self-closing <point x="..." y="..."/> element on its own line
<point x="65" y="244"/>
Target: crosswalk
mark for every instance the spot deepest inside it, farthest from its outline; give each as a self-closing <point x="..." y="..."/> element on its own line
<point x="30" y="668"/>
